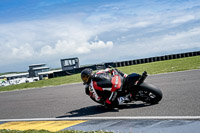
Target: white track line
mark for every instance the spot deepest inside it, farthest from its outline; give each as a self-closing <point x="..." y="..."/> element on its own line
<point x="108" y="118"/>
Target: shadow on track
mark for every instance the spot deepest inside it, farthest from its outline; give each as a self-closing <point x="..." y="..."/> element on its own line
<point x="99" y="109"/>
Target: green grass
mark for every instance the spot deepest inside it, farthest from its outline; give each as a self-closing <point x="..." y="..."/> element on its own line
<point x="45" y="131"/>
<point x="152" y="68"/>
<point x="42" y="83"/>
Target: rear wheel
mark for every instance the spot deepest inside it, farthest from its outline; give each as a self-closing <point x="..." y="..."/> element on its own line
<point x="149" y="93"/>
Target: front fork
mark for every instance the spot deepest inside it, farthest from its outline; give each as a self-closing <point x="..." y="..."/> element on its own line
<point x="132" y="83"/>
<point x="137" y="83"/>
<point x="141" y="79"/>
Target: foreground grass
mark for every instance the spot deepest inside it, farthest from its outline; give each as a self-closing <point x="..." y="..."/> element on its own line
<point x="152" y="68"/>
<point x="45" y="131"/>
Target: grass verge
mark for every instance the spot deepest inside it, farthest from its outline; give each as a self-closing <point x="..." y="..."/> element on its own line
<point x="152" y="68"/>
<point x="174" y="65"/>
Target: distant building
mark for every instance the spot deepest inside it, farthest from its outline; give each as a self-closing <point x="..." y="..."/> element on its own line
<point x="14" y="76"/>
<point x="37" y="68"/>
<point x="69" y="63"/>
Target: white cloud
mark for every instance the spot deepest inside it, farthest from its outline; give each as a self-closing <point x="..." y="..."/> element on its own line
<point x="101" y="44"/>
<point x="97" y="34"/>
<point x="183" y="19"/>
<point x="141" y="24"/>
<point x="163" y="43"/>
<point x="94" y="46"/>
<point x="22" y="52"/>
<point x="73" y="47"/>
<point x="47" y="39"/>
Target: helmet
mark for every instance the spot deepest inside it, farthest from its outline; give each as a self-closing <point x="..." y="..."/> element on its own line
<point x="86" y="75"/>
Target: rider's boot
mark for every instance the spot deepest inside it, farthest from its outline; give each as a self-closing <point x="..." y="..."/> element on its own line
<point x="125" y="99"/>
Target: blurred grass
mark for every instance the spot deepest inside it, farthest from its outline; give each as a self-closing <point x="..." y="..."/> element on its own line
<point x="152" y="68"/>
<point x="43" y="83"/>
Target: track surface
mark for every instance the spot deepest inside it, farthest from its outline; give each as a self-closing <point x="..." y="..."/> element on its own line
<point x="181" y="97"/>
<point x="117" y="125"/>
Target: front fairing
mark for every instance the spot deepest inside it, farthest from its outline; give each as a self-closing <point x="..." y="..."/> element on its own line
<point x="130" y="80"/>
<point x="133" y="77"/>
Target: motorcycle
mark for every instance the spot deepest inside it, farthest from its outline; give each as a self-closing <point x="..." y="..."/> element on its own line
<point x="134" y="84"/>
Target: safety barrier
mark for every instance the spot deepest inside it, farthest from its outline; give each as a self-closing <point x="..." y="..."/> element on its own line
<point x="151" y="59"/>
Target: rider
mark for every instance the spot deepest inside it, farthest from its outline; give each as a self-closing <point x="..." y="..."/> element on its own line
<point x="103" y="86"/>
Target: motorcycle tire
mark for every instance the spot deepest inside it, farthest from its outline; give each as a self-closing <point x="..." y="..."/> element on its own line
<point x="148" y="93"/>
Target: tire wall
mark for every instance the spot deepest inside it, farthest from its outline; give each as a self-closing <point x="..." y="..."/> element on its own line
<point x="153" y="59"/>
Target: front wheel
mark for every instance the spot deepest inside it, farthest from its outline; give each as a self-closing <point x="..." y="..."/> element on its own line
<point x="149" y="93"/>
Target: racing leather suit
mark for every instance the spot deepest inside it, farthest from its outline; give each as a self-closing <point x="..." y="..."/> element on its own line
<point x="105" y="85"/>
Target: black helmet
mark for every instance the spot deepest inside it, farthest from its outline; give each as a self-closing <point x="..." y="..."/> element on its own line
<point x="86" y="75"/>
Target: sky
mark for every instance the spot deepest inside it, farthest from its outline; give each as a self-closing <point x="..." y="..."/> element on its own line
<point x="95" y="31"/>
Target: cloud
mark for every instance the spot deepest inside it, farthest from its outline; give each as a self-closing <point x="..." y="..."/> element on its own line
<point x="142" y="24"/>
<point x="101" y="44"/>
<point x="47" y="38"/>
<point x="73" y="48"/>
<point x="21" y="52"/>
<point x="102" y="33"/>
<point x="183" y="19"/>
<point x="162" y="44"/>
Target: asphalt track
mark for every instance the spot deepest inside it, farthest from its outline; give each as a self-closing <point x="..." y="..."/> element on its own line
<point x="117" y="125"/>
<point x="181" y="97"/>
<point x="66" y="107"/>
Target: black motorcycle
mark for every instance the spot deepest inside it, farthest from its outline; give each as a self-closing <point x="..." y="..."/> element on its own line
<point x="140" y="91"/>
